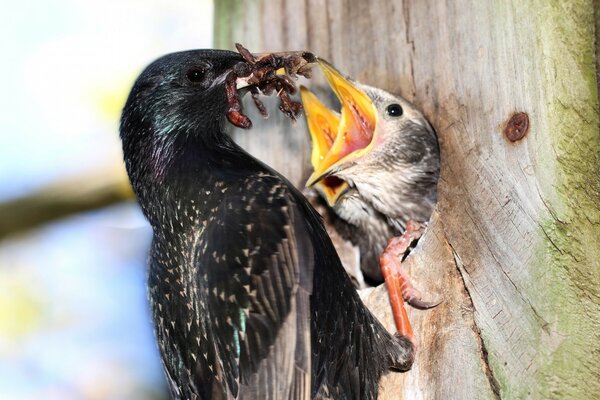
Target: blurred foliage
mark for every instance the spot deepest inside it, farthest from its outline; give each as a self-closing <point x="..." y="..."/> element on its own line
<point x="21" y="308"/>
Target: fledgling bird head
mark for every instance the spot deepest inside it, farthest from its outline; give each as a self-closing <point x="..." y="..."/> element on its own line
<point x="379" y="145"/>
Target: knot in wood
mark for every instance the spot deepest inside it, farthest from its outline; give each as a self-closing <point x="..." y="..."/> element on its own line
<point x="517" y="126"/>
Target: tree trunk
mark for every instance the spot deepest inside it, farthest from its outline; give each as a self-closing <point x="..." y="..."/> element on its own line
<point x="514" y="247"/>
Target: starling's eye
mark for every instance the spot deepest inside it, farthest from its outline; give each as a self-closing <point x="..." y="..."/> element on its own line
<point x="195" y="74"/>
<point x="394" y="110"/>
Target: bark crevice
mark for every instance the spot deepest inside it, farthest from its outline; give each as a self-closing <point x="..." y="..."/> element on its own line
<point x="487" y="368"/>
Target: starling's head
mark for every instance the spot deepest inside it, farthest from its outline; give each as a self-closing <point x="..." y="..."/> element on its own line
<point x="179" y="92"/>
<point x="378" y="142"/>
<point x="177" y="103"/>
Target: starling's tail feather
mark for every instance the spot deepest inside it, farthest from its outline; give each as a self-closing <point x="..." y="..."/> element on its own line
<point x="285" y="373"/>
<point x="400" y="352"/>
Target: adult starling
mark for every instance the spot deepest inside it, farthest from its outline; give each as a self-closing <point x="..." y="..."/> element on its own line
<point x="376" y="163"/>
<point x="248" y="296"/>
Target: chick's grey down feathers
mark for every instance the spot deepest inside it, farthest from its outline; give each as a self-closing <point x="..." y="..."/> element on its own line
<point x="393" y="183"/>
<point x="248" y="296"/>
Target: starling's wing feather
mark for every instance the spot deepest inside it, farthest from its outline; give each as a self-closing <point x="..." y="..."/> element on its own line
<point x="256" y="262"/>
<point x="350" y="348"/>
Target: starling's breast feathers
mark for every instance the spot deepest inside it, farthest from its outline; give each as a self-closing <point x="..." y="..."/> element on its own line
<point x="248" y="286"/>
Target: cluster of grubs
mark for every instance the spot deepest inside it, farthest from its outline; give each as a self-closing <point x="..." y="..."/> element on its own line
<point x="260" y="75"/>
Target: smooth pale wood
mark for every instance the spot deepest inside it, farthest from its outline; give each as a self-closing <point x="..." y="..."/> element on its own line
<point x="514" y="249"/>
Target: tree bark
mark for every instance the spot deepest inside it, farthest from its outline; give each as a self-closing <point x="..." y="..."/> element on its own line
<point x="75" y="195"/>
<point x="514" y="248"/>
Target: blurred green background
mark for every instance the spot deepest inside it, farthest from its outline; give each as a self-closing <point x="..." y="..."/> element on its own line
<point x="74" y="322"/>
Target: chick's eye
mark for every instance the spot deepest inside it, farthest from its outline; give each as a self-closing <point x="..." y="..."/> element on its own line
<point x="195" y="74"/>
<point x="394" y="110"/>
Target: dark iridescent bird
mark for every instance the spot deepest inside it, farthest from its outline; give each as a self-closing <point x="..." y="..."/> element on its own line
<point x="248" y="296"/>
<point x="377" y="164"/>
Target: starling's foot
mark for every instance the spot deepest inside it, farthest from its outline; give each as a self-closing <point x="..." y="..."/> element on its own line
<point x="398" y="284"/>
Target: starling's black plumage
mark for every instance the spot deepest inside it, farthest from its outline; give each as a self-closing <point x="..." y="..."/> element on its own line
<point x="247" y="292"/>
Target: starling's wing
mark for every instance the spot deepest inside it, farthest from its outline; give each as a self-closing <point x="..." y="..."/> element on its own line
<point x="257" y="261"/>
<point x="350" y="348"/>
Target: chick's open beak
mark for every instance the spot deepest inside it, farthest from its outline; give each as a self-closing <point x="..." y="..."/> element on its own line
<point x="323" y="125"/>
<point x="337" y="139"/>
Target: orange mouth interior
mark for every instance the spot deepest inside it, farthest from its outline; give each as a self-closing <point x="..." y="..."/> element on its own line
<point x="337" y="139"/>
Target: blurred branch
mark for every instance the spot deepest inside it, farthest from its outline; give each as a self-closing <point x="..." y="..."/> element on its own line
<point x="61" y="199"/>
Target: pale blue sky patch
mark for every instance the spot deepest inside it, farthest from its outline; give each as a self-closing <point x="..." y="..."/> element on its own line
<point x="63" y="59"/>
<point x="74" y="319"/>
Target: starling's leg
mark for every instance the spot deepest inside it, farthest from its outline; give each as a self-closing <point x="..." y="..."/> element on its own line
<point x="394" y="289"/>
<point x="398" y="284"/>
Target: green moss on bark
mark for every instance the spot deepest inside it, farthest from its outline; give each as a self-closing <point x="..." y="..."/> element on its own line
<point x="572" y="248"/>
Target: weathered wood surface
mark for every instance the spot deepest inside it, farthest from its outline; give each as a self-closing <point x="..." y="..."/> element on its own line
<point x="514" y="248"/>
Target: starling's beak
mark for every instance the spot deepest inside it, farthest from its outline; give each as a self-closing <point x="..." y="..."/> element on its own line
<point x="337" y="139"/>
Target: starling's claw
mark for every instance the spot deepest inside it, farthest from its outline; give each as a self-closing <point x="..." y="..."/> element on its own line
<point x="393" y="253"/>
<point x="399" y="287"/>
<point x="423" y="305"/>
<point x="411" y="295"/>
